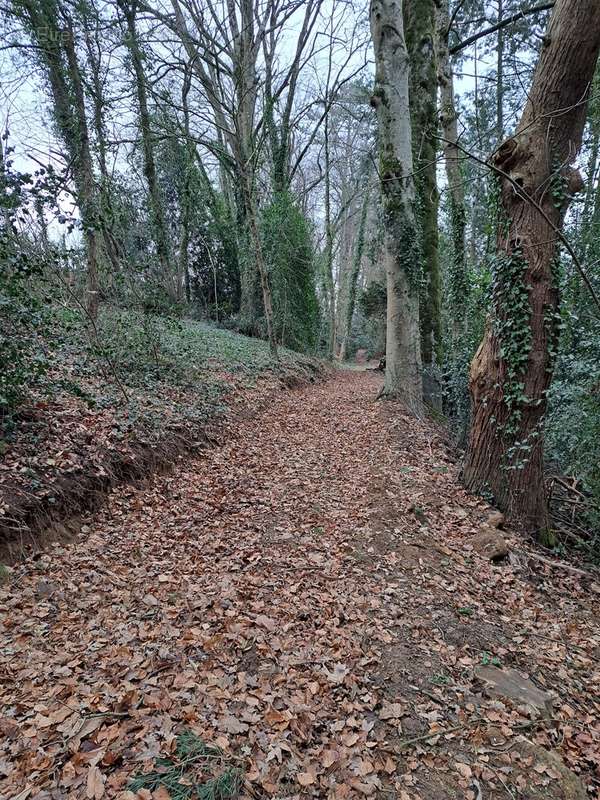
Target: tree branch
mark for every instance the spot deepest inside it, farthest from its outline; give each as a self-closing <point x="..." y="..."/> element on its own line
<point x="529" y="199"/>
<point x="499" y="25"/>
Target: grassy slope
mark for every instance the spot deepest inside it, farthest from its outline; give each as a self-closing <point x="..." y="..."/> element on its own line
<point x="119" y="402"/>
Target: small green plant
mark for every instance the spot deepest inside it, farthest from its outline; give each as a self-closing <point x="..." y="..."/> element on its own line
<point x="465" y="611"/>
<point x="487" y="659"/>
<point x="189" y="774"/>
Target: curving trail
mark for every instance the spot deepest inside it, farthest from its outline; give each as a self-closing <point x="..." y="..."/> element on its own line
<point x="304" y="596"/>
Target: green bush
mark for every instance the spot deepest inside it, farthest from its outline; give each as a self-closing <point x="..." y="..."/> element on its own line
<point x="22" y="311"/>
<point x="289" y="254"/>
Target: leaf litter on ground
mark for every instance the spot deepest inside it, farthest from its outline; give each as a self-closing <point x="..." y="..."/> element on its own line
<point x="278" y="598"/>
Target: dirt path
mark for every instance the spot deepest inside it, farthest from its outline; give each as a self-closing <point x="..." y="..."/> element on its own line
<point x="305" y="597"/>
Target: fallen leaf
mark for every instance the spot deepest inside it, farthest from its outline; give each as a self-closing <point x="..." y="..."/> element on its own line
<point x="95" y="784"/>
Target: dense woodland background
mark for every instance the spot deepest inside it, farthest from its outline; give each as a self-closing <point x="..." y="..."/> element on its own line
<point x="221" y="162"/>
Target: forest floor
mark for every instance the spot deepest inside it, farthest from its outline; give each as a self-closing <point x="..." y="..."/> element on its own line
<point x="306" y="598"/>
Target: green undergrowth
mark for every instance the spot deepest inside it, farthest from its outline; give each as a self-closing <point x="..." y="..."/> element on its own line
<point x="148" y="369"/>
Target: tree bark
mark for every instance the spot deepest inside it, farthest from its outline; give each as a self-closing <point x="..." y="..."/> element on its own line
<point x="458" y="283"/>
<point x="419" y="16"/>
<point x="84" y="171"/>
<point x="186" y="199"/>
<point x="512" y="369"/>
<point x="111" y="237"/>
<point x="261" y="266"/>
<point x="403" y="376"/>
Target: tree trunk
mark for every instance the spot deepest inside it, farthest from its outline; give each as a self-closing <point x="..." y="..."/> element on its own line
<point x="512" y="369"/>
<point x="500" y="75"/>
<point x="111" y="238"/>
<point x="186" y="199"/>
<point x="57" y="49"/>
<point x="458" y="283"/>
<point x="160" y="234"/>
<point x="402" y="257"/>
<point x="328" y="266"/>
<point x="261" y="266"/>
<point x="84" y="176"/>
<point x="419" y="16"/>
<point x="359" y="245"/>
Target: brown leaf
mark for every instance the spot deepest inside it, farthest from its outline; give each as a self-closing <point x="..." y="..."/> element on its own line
<point x="391" y="710"/>
<point x="464" y="769"/>
<point x="306" y="778"/>
<point x="230" y="724"/>
<point x="95" y="784"/>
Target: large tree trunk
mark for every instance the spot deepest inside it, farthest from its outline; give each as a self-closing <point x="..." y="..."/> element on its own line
<point x="419" y="18"/>
<point x="458" y="283"/>
<point x="402" y="257"/>
<point x="512" y="369"/>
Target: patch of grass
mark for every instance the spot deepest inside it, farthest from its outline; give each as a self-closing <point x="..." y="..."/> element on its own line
<point x="196" y="771"/>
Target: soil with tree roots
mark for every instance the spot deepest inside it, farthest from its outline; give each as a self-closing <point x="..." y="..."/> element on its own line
<point x="307" y="598"/>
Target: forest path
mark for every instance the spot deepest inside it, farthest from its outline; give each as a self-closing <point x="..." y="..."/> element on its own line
<point x="305" y="596"/>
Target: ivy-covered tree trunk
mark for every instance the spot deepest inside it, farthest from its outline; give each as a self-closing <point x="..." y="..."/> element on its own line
<point x="56" y="48"/>
<point x="419" y="18"/>
<point x="512" y="369"/>
<point x="458" y="283"/>
<point x="187" y="195"/>
<point x="83" y="169"/>
<point x="111" y="236"/>
<point x="401" y="252"/>
<point x="160" y="233"/>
